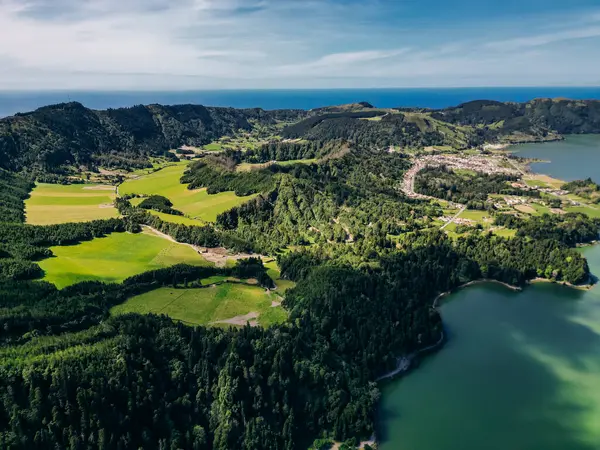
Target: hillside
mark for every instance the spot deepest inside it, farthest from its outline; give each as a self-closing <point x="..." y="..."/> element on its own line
<point x="539" y="119"/>
<point x="71" y="134"/>
<point x="381" y="129"/>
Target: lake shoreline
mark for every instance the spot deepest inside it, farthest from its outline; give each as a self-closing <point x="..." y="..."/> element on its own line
<point x="405" y="362"/>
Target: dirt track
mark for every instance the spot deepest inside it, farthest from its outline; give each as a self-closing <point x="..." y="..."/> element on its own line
<point x="218" y="255"/>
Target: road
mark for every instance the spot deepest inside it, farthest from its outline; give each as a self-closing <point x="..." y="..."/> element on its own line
<point x="454" y="217"/>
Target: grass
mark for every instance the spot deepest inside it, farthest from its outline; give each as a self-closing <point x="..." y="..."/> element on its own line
<point x="275" y="274"/>
<point x="55" y="203"/>
<point x="195" y="204"/>
<point x="177" y="219"/>
<point x="475" y="215"/>
<point x="525" y="209"/>
<point x="202" y="306"/>
<point x="504" y="232"/>
<point x="534" y="182"/>
<point x="465" y="172"/>
<point x="540" y="209"/>
<point x="591" y="212"/>
<point x="213" y="147"/>
<point x="114" y="258"/>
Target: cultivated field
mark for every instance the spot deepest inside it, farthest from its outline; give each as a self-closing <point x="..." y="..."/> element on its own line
<point x="195" y="204"/>
<point x="114" y="258"/>
<point x="222" y="305"/>
<point x="55" y="203"/>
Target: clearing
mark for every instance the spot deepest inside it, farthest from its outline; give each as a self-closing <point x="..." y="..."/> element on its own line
<point x="281" y="284"/>
<point x="114" y="258"/>
<point x="225" y="304"/>
<point x="525" y="209"/>
<point x="247" y="167"/>
<point x="197" y="205"/>
<point x="57" y="203"/>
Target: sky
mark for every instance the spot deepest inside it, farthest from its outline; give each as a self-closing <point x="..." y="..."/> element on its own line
<point x="264" y="44"/>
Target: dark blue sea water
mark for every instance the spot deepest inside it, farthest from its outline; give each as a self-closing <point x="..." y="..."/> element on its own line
<point x="12" y="102"/>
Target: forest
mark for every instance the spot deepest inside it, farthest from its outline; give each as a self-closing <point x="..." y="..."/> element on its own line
<point x="367" y="263"/>
<point x="53" y="137"/>
<point x="539" y="118"/>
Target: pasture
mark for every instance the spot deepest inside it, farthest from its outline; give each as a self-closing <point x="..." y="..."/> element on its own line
<point x="481" y="217"/>
<point x="197" y="204"/>
<point x="114" y="258"/>
<point x="221" y="305"/>
<point x="56" y="203"/>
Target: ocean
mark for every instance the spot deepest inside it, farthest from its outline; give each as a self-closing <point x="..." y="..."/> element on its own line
<point x="12" y="102"/>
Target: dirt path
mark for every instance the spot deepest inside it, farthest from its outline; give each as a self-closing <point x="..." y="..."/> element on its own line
<point x="218" y="256"/>
<point x="250" y="318"/>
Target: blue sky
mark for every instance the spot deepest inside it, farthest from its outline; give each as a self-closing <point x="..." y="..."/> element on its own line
<point x="204" y="44"/>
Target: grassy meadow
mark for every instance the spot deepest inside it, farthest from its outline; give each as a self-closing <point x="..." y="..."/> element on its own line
<point x="197" y="205"/>
<point x="247" y="167"/>
<point x="114" y="258"/>
<point x="55" y="203"/>
<point x="281" y="284"/>
<point x="203" y="306"/>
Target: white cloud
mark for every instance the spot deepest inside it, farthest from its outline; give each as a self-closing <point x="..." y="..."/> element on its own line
<point x="544" y="39"/>
<point x="337" y="64"/>
<point x="195" y="44"/>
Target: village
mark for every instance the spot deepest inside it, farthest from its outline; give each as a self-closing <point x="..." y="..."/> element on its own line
<point x="458" y="215"/>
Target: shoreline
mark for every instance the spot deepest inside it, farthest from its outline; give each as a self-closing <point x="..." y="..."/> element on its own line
<point x="405" y="362"/>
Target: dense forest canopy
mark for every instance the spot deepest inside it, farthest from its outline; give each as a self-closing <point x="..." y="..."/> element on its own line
<point x="70" y="134"/>
<point x="538" y="118"/>
<point x="367" y="262"/>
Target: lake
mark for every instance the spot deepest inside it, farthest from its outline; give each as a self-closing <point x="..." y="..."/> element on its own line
<point x="575" y="158"/>
<point x="520" y="371"/>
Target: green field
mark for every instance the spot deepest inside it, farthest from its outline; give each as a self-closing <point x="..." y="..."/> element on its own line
<point x="56" y="203"/>
<point x="591" y="212"/>
<point x="213" y="147"/>
<point x="478" y="216"/>
<point x="504" y="232"/>
<point x="275" y="274"/>
<point x="202" y="306"/>
<point x="114" y="258"/>
<point x="195" y="204"/>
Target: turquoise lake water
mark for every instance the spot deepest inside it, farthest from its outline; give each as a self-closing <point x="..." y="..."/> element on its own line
<point x="520" y="371"/>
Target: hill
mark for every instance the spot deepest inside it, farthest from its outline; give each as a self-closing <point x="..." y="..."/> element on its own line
<point x="55" y="138"/>
<point x="70" y="134"/>
<point x="539" y="119"/>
